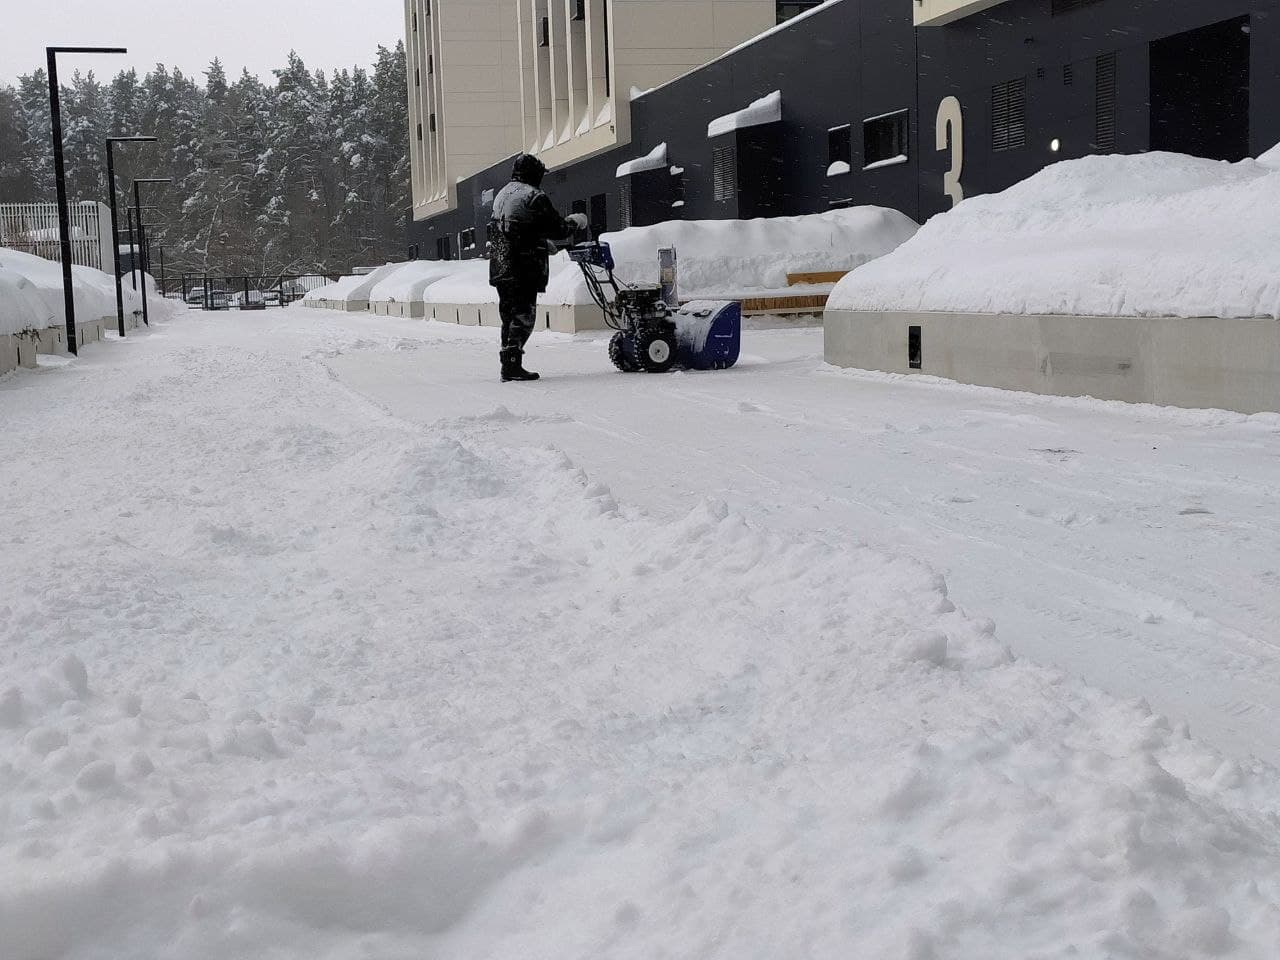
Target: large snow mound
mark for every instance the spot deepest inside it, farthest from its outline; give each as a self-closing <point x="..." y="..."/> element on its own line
<point x="352" y="289"/>
<point x="734" y="258"/>
<point x="408" y="282"/>
<point x="467" y="282"/>
<point x="21" y="306"/>
<point x="398" y="690"/>
<point x="1156" y="234"/>
<point x="38" y="300"/>
<point x="31" y="294"/>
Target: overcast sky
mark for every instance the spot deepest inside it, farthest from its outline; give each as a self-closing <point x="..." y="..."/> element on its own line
<point x="257" y="34"/>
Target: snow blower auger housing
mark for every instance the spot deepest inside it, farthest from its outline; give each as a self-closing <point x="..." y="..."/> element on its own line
<point x="648" y="336"/>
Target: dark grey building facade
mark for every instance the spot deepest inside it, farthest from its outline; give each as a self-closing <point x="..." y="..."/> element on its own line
<point x="878" y="111"/>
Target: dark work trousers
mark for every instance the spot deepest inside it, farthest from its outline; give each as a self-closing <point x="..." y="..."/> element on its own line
<point x="517" y="306"/>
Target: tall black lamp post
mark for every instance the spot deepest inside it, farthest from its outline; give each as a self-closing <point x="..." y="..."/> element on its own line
<point x="60" y="176"/>
<point x="115" y="228"/>
<point x="142" y="233"/>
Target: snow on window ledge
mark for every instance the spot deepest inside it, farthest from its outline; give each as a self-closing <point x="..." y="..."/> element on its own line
<point x="837" y="168"/>
<point x="890" y="162"/>
<point x="768" y="109"/>
<point x="655" y="159"/>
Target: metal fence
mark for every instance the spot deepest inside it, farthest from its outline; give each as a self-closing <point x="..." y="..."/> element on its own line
<point x="208" y="292"/>
<point x="33" y="228"/>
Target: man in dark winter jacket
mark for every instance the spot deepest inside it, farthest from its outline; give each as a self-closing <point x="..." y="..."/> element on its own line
<point x="524" y="231"/>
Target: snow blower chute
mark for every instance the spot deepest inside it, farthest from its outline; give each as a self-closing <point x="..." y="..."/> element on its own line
<point x="648" y="335"/>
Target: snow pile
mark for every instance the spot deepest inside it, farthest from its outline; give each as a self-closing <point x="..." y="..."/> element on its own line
<point x="408" y="282"/>
<point x="31" y="294"/>
<point x="655" y="159"/>
<point x="397" y="690"/>
<point x="768" y="109"/>
<point x="1157" y="234"/>
<point x="737" y="258"/>
<point x="21" y="306"/>
<point x="347" y="290"/>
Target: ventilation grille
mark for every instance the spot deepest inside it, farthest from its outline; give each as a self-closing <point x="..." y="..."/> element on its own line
<point x="1009" y="115"/>
<point x="724" y="173"/>
<point x="624" y="202"/>
<point x="1104" y="104"/>
<point x="1068" y="75"/>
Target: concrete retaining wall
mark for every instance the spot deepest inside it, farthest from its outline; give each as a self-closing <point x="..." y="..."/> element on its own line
<point x="570" y="318"/>
<point x="394" y="308"/>
<point x="1182" y="362"/>
<point x="466" y="314"/>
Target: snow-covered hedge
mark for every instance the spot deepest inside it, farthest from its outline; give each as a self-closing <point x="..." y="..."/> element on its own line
<point x="1157" y="234"/>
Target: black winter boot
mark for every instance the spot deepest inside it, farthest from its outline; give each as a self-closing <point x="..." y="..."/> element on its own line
<point x="513" y="366"/>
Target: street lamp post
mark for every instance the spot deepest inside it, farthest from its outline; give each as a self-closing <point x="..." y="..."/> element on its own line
<point x="115" y="229"/>
<point x="60" y="178"/>
<point x="142" y="233"/>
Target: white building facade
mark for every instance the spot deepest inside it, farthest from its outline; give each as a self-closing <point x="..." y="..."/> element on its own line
<point x="490" y="78"/>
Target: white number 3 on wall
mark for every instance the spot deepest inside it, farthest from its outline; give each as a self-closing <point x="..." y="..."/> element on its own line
<point x="950" y="133"/>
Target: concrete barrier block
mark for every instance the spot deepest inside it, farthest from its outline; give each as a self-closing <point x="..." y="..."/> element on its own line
<point x="1231" y="364"/>
<point x="10" y="359"/>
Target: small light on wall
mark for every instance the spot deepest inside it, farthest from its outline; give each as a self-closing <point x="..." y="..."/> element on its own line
<point x="1055" y="144"/>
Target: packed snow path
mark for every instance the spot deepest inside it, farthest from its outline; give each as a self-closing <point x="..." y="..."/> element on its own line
<point x="600" y="667"/>
<point x="1136" y="547"/>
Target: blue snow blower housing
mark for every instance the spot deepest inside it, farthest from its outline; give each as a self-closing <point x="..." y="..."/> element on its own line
<point x="703" y="335"/>
<point x="709" y="334"/>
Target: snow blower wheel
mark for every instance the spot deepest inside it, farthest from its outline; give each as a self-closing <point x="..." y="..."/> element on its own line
<point x="656" y="352"/>
<point x="620" y="354"/>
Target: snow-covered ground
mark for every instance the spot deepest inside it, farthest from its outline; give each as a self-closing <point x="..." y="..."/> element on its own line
<point x="340" y="648"/>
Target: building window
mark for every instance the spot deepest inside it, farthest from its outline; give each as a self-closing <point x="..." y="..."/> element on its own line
<point x="427" y="7"/>
<point x="604" y="36"/>
<point x="884" y="139"/>
<point x="444" y="248"/>
<point x="415" y="21"/>
<point x="431" y="121"/>
<point x="578" y="10"/>
<point x="417" y="77"/>
<point x="724" y="173"/>
<point x="419" y="131"/>
<point x="544" y="32"/>
<point x="467" y="239"/>
<point x="1009" y="115"/>
<point x="1104" y="104"/>
<point x="431" y="64"/>
<point x="599" y="214"/>
<point x="787" y="9"/>
<point x="839" y="150"/>
<point x="677" y="188"/>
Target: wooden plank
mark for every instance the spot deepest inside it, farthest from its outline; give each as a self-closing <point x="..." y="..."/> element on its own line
<point x="818" y="276"/>
<point x="813" y="303"/>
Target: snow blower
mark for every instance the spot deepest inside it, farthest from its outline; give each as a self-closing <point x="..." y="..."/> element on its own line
<point x="648" y="335"/>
